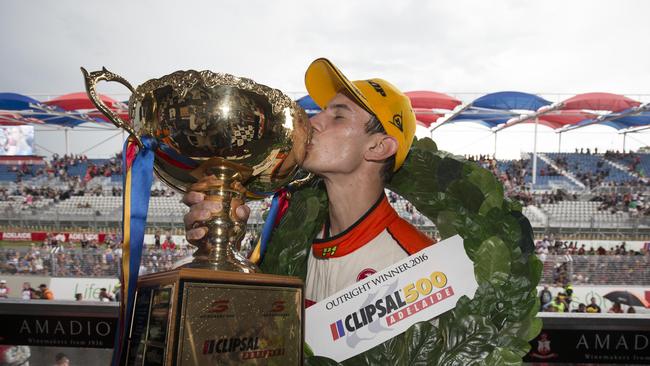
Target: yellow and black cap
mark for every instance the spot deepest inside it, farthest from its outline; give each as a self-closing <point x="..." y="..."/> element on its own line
<point x="377" y="96"/>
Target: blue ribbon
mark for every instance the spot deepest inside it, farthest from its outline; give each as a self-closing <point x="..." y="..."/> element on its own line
<point x="269" y="224"/>
<point x="140" y="190"/>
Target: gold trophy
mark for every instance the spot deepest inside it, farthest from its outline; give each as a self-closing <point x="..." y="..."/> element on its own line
<point x="230" y="138"/>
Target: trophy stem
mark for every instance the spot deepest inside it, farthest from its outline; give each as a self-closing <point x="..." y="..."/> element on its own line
<point x="218" y="250"/>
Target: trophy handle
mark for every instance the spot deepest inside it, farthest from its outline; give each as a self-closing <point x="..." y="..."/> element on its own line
<point x="91" y="79"/>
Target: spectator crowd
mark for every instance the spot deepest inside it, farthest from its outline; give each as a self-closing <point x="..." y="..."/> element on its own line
<point x="570" y="262"/>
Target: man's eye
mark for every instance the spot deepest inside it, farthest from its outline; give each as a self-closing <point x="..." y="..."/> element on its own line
<point x="338" y="117"/>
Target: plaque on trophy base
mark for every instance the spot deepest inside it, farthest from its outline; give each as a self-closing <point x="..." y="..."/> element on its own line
<point x="191" y="317"/>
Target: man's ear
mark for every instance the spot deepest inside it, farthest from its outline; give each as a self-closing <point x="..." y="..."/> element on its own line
<point x="381" y="148"/>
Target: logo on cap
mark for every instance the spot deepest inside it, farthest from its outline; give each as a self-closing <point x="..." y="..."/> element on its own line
<point x="377" y="88"/>
<point x="397" y="121"/>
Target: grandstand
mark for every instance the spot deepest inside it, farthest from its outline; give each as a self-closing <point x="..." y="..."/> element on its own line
<point x="60" y="220"/>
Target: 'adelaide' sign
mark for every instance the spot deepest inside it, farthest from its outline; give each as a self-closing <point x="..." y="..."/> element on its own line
<point x="387" y="303"/>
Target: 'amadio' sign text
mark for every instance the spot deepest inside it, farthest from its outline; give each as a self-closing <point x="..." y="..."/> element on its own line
<point x="387" y="303"/>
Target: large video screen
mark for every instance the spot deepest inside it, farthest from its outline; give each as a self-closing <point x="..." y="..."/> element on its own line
<point x="16" y="140"/>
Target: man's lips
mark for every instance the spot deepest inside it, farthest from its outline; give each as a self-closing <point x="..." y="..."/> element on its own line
<point x="310" y="144"/>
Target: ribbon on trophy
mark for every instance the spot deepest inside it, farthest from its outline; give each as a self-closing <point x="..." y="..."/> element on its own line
<point x="279" y="206"/>
<point x="137" y="165"/>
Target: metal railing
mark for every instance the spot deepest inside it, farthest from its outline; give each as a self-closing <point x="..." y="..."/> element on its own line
<point x="596" y="269"/>
<point x="77" y="262"/>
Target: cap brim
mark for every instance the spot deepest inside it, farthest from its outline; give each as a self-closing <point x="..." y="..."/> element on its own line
<point x="323" y="81"/>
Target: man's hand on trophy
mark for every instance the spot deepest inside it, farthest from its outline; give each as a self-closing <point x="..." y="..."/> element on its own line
<point x="203" y="207"/>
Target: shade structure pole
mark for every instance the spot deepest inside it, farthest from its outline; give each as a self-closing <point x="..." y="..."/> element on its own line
<point x="535" y="153"/>
<point x="624" y="138"/>
<point x="495" y="146"/>
<point x="67" y="147"/>
<point x="559" y="143"/>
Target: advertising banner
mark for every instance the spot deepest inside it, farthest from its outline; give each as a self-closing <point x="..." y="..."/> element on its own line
<point x="57" y="331"/>
<point x="590" y="346"/>
<point x="39" y="236"/>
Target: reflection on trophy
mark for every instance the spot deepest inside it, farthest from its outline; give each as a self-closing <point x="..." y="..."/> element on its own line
<point x="228" y="137"/>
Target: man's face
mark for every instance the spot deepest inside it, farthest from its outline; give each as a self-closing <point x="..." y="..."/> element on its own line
<point x="339" y="138"/>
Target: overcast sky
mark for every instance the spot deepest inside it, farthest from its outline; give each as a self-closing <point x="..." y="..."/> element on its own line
<point x="456" y="47"/>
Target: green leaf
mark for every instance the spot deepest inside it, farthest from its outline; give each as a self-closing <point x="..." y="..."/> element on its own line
<point x="536" y="266"/>
<point x="493" y="256"/>
<point x="467" y="340"/>
<point x="489" y="186"/>
<point x="447" y="222"/>
<point x="307" y="350"/>
<point x="417" y="346"/>
<point x="526" y="242"/>
<point x="425" y="144"/>
<point x="503" y="357"/>
<point x="449" y="170"/>
<point x="467" y="193"/>
<point x="534" y="329"/>
<point x="319" y="361"/>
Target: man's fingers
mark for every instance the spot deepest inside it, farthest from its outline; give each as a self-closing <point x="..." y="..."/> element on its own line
<point x="243" y="212"/>
<point x="192" y="198"/>
<point x="200" y="212"/>
<point x="240" y="211"/>
<point x="196" y="234"/>
<point x="195" y="216"/>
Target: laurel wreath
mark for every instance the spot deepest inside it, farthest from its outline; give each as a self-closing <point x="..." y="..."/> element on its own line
<point x="461" y="198"/>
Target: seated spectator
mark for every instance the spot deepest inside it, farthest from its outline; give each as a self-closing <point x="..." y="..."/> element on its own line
<point x="581" y="309"/>
<point x="45" y="293"/>
<point x="106" y="296"/>
<point x="545" y="297"/>
<point x="168" y="244"/>
<point x="616" y="308"/>
<point x="27" y="292"/>
<point x="558" y="304"/>
<point x="4" y="290"/>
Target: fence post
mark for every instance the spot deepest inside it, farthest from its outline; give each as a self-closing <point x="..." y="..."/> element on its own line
<point x="53" y="261"/>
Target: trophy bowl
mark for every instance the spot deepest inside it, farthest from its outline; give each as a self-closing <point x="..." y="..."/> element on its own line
<point x="226" y="136"/>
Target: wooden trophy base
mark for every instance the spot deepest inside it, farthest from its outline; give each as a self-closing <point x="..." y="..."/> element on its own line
<point x="191" y="317"/>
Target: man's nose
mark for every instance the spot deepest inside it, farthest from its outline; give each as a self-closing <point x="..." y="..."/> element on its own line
<point x="318" y="122"/>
